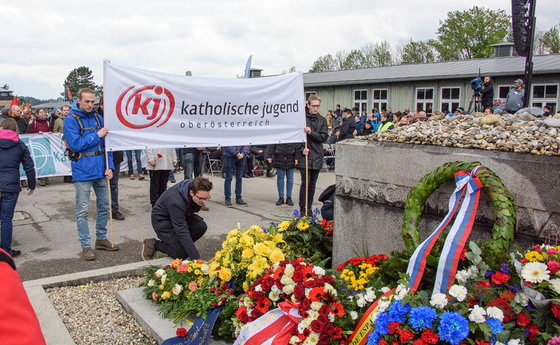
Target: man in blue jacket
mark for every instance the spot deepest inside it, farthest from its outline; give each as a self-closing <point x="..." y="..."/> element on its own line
<point x="84" y="131"/>
<point x="234" y="158"/>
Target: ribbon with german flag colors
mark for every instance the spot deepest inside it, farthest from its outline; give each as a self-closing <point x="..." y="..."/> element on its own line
<point x="360" y="335"/>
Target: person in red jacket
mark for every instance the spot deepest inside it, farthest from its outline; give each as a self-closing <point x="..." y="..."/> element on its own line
<point x="18" y="323"/>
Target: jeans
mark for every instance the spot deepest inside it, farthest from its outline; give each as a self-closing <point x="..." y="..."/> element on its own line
<point x="312" y="179"/>
<point x="188" y="161"/>
<point x="83" y="189"/>
<point x="289" y="173"/>
<point x="114" y="182"/>
<point x="137" y="154"/>
<point x="230" y="164"/>
<point x="8" y="202"/>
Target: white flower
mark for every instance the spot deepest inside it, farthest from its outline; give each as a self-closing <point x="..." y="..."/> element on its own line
<point x="401" y="292"/>
<point x="276" y="290"/>
<point x="353" y="315"/>
<point x="273" y="296"/>
<point x="159" y="273"/>
<point x="316" y="305"/>
<point x="459" y="292"/>
<point x="258" y="288"/>
<point x="514" y="342"/>
<point x="370" y="295"/>
<point x="152" y="283"/>
<point x="385" y="289"/>
<point x="535" y="272"/>
<point x="361" y="302"/>
<point x="300" y="327"/>
<point x="438" y="300"/>
<point x="330" y="317"/>
<point x="521" y="299"/>
<point x="204" y="269"/>
<point x="294" y="339"/>
<point x="289" y="271"/>
<point x="288" y="289"/>
<point x="462" y="276"/>
<point x="312" y="339"/>
<point x="318" y="271"/>
<point x="499" y="343"/>
<point x="330" y="289"/>
<point x="477" y="314"/>
<point x="383" y="304"/>
<point x="163" y="278"/>
<point x="286" y="280"/>
<point x="495" y="313"/>
<point x="555" y="283"/>
<point x="177" y="289"/>
<point x="473" y="272"/>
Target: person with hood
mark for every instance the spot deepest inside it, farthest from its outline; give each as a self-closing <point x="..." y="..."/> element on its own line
<point x="13" y="152"/>
<point x="317" y="133"/>
<point x="375" y="119"/>
<point x="84" y="132"/>
<point x="175" y="222"/>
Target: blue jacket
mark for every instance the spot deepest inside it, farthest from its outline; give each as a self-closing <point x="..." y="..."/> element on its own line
<point x="91" y="167"/>
<point x="13" y="152"/>
<point x="232" y="151"/>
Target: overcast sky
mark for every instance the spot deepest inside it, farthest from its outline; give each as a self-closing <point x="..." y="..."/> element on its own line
<point x="43" y="41"/>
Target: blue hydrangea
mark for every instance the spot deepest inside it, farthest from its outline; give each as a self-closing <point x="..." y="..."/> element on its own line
<point x="422" y="317"/>
<point x="398" y="312"/>
<point x="382" y="323"/>
<point x="453" y="327"/>
<point x="495" y="326"/>
<point x="373" y="338"/>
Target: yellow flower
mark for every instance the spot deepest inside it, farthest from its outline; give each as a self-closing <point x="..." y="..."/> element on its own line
<point x="245" y="286"/>
<point x="218" y="255"/>
<point x="302" y="225"/>
<point x="247" y="253"/>
<point x="262" y="249"/>
<point x="534" y="256"/>
<point x="233" y="232"/>
<point x="166" y="295"/>
<point x="276" y="255"/>
<point x="256" y="229"/>
<point x="212" y="268"/>
<point x="224" y="274"/>
<point x="279" y="238"/>
<point x="247" y="241"/>
<point x="160" y="287"/>
<point x="257" y="267"/>
<point x="270" y="244"/>
<point x="197" y="272"/>
<point x="284" y="226"/>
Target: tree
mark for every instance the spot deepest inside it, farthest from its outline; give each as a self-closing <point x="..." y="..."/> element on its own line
<point x="377" y="54"/>
<point x="551" y="41"/>
<point x="417" y="52"/>
<point x="469" y="34"/>
<point x="325" y="63"/>
<point x="339" y="59"/>
<point x="354" y="60"/>
<point x="79" y="78"/>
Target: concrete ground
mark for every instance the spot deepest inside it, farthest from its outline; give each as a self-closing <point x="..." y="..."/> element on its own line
<point x="45" y="223"/>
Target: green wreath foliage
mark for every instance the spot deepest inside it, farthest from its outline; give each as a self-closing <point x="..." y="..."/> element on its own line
<point x="502" y="202"/>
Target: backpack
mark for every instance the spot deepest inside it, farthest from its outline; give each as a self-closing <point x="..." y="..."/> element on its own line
<point x="75" y="156"/>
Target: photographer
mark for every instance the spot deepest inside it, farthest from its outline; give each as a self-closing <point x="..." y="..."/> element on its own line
<point x="487" y="93"/>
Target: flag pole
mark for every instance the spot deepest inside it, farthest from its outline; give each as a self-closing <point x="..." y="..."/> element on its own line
<point x="109" y="193"/>
<point x="306" y="180"/>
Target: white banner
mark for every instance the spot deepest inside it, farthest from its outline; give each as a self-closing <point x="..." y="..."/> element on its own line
<point x="47" y="152"/>
<point x="145" y="109"/>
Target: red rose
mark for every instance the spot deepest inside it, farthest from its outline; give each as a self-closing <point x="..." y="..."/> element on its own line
<point x="405" y="335"/>
<point x="429" y="337"/>
<point x="310" y="284"/>
<point x="298" y="276"/>
<point x="555" y="308"/>
<point x="329" y="279"/>
<point x="215" y="304"/>
<point x="317" y="326"/>
<point x="418" y="341"/>
<point x="324" y="339"/>
<point x="500" y="278"/>
<point x="181" y="332"/>
<point x="305" y="304"/>
<point x="267" y="284"/>
<point x="212" y="289"/>
<point x="393" y="326"/>
<point x="224" y="286"/>
<point x="324" y="310"/>
<point x="533" y="331"/>
<point x="255" y="314"/>
<point x="299" y="291"/>
<point x="537" y="248"/>
<point x="523" y="319"/>
<point x="218" y="292"/>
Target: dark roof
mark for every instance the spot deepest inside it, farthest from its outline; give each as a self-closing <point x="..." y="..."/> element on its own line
<point x="501" y="66"/>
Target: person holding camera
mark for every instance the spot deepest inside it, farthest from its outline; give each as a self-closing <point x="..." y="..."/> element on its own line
<point x="487" y="93"/>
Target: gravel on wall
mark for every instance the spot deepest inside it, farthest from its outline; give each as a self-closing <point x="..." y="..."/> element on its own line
<point x="93" y="315"/>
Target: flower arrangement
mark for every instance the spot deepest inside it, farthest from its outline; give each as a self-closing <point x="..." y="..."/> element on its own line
<point x="187" y="288"/>
<point x="248" y="254"/>
<point x="304" y="284"/>
<point x="358" y="271"/>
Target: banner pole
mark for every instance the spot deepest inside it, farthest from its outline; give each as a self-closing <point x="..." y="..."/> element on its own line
<point x="306" y="180"/>
<point x="109" y="193"/>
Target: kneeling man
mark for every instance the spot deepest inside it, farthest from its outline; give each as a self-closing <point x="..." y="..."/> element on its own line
<point x="175" y="222"/>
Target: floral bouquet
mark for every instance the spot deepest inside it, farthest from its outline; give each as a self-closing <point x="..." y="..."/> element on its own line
<point x="248" y="254"/>
<point x="187" y="288"/>
<point x="308" y="237"/>
<point x="358" y="271"/>
<point x="309" y="288"/>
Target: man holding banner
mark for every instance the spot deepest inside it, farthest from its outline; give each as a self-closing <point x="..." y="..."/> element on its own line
<point x="310" y="166"/>
<point x="83" y="130"/>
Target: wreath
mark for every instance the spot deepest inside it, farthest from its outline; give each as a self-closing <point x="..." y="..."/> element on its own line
<point x="502" y="202"/>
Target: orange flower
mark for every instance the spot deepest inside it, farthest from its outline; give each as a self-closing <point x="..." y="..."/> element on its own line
<point x="315" y="294"/>
<point x="175" y="263"/>
<point x="339" y="309"/>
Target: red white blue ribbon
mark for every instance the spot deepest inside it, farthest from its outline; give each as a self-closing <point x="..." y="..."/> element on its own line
<point x="417" y="264"/>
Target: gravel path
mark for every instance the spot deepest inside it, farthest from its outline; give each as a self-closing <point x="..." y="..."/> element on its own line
<point x="93" y="315"/>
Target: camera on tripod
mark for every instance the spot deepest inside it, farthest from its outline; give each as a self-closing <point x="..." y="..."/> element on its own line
<point x="476" y="85"/>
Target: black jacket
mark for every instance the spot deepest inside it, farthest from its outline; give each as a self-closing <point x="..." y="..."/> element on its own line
<point x="283" y="155"/>
<point x="319" y="135"/>
<point x="347" y="129"/>
<point x="487" y="95"/>
<point x="13" y="152"/>
<point x="169" y="216"/>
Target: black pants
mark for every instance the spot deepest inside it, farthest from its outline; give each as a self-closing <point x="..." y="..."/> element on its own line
<point x="158" y="184"/>
<point x="169" y="243"/>
<point x="114" y="183"/>
<point x="312" y="179"/>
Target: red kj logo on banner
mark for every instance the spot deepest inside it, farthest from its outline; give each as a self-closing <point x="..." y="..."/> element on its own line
<point x="145" y="107"/>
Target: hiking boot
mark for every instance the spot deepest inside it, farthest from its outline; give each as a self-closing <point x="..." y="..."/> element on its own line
<point x="118" y="216"/>
<point x="269" y="174"/>
<point x="141" y="177"/>
<point x="15" y="253"/>
<point x="132" y="177"/>
<point x="228" y="203"/>
<point x="148" y="248"/>
<point x="289" y="201"/>
<point x="88" y="254"/>
<point x="105" y="245"/>
<point x="280" y="201"/>
<point x="204" y="208"/>
<point x="240" y="202"/>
